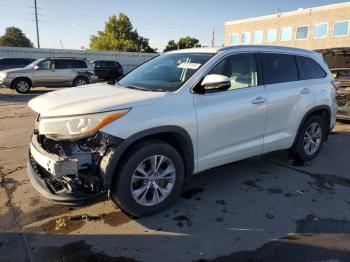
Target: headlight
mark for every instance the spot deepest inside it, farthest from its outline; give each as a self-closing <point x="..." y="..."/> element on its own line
<point x="77" y="126"/>
<point x="3" y="75"/>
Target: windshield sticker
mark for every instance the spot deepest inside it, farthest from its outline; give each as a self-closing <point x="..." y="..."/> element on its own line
<point x="193" y="66"/>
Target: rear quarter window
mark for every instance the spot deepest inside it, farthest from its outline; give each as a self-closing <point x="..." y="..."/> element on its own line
<point x="79" y="64"/>
<point x="309" y="68"/>
<point x="279" y="68"/>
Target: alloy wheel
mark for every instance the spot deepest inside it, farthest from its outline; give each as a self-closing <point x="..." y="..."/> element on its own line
<point x="22" y="86"/>
<point x="312" y="138"/>
<point x="81" y="82"/>
<point x="153" y="180"/>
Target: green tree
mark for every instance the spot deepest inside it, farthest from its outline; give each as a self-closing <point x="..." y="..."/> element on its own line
<point x="119" y="35"/>
<point x="188" y="42"/>
<point x="184" y="42"/>
<point x="15" y="37"/>
<point x="172" y="45"/>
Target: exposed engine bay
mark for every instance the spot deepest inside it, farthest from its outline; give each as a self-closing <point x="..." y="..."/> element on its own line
<point x="78" y="166"/>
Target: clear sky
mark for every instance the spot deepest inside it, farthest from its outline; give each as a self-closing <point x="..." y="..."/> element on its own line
<point x="72" y="22"/>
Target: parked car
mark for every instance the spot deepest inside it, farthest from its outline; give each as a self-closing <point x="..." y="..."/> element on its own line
<point x="8" y="63"/>
<point x="178" y="114"/>
<point x="342" y="75"/>
<point x="49" y="72"/>
<point x="108" y="70"/>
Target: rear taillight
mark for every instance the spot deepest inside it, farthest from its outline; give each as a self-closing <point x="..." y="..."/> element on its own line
<point x="335" y="84"/>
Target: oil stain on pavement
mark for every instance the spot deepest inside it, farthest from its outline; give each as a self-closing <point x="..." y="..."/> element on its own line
<point x="68" y="224"/>
<point x="78" y="251"/>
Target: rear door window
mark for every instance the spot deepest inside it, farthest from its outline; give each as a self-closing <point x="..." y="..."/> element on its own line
<point x="78" y="64"/>
<point x="309" y="68"/>
<point x="279" y="68"/>
<point x="62" y="64"/>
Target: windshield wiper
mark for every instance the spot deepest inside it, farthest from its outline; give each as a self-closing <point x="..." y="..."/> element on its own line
<point x="138" y="88"/>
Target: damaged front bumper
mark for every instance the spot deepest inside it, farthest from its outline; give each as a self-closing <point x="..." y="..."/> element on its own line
<point x="72" y="172"/>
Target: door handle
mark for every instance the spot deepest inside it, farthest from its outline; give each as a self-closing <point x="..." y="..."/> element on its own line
<point x="259" y="100"/>
<point x="305" y="91"/>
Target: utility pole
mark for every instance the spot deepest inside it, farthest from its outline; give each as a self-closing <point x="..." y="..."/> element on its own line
<point x="36" y="21"/>
<point x="213" y="38"/>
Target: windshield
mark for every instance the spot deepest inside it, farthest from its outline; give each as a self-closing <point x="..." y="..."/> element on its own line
<point x="166" y="72"/>
<point x="34" y="63"/>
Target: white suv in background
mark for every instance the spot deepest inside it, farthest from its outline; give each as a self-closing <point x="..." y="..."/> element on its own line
<point x="176" y="115"/>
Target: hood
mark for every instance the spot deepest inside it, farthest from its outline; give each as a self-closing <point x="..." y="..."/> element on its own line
<point x="15" y="70"/>
<point x="91" y="99"/>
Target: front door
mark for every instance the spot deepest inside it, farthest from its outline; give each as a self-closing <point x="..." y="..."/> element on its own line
<point x="45" y="74"/>
<point x="231" y="123"/>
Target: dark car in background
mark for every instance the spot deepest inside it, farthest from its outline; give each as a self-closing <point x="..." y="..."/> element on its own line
<point x="9" y="63"/>
<point x="342" y="75"/>
<point x="107" y="69"/>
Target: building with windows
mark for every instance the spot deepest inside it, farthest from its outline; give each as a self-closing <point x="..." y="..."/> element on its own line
<point x="324" y="28"/>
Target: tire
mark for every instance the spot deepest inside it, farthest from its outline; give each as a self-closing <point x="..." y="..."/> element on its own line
<point x="127" y="179"/>
<point x="81" y="81"/>
<point x="303" y="149"/>
<point x="22" y="85"/>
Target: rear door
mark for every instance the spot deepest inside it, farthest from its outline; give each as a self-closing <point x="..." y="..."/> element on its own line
<point x="231" y="123"/>
<point x="289" y="99"/>
<point x="65" y="70"/>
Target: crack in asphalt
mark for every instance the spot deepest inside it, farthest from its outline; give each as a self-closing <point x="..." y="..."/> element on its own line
<point x="13" y="109"/>
<point x="17" y="116"/>
<point x="8" y="148"/>
<point x="15" y="212"/>
<point x="14" y="170"/>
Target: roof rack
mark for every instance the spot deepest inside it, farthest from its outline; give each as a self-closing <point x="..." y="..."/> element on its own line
<point x="66" y="57"/>
<point x="266" y="47"/>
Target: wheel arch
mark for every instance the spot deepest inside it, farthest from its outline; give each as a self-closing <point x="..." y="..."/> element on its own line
<point x="81" y="75"/>
<point x="21" y="77"/>
<point x="174" y="135"/>
<point x="323" y="110"/>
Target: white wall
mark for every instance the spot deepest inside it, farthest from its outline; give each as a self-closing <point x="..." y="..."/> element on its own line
<point x="128" y="60"/>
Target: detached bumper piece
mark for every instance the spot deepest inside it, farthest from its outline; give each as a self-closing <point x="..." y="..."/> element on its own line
<point x="71" y="172"/>
<point x="343" y="102"/>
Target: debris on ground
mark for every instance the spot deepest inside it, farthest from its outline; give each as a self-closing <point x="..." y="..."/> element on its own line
<point x="60" y="223"/>
<point x="300" y="192"/>
<point x="269" y="216"/>
<point x="84" y="217"/>
<point x="181" y="219"/>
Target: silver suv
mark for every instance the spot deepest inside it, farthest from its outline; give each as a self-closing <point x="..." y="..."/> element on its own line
<point x="179" y="114"/>
<point x="49" y="72"/>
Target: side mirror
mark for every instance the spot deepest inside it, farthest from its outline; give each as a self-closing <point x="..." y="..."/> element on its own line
<point x="216" y="82"/>
<point x="36" y="67"/>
